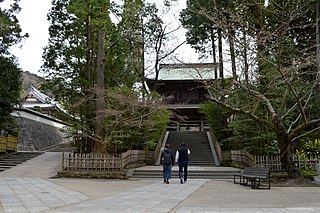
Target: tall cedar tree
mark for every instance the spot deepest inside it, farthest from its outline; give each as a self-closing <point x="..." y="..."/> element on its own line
<point x="71" y="62"/>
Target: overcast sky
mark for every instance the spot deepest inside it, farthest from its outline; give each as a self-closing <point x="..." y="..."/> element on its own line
<point x="33" y="20"/>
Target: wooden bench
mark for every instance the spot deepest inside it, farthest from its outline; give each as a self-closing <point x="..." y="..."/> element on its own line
<point x="253" y="176"/>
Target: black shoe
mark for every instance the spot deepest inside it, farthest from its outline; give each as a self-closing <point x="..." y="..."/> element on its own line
<point x="165" y="180"/>
<point x="181" y="180"/>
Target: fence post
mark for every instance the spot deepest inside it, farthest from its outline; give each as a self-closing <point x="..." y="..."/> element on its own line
<point x="121" y="160"/>
<point x="62" y="162"/>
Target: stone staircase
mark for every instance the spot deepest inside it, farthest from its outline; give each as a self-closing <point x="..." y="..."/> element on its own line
<point x="197" y="142"/>
<point x="8" y="161"/>
<point x="201" y="165"/>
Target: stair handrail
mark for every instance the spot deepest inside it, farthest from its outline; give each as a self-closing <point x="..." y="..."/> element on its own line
<point x="216" y="146"/>
<point x="159" y="146"/>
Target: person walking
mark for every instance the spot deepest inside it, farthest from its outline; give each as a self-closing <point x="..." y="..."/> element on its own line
<point x="182" y="158"/>
<point x="167" y="159"/>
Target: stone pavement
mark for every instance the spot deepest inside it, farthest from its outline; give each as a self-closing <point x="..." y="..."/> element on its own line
<point x="29" y="188"/>
<point x="35" y="195"/>
<point x="157" y="197"/>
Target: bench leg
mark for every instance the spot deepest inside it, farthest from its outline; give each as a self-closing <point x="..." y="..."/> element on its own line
<point x="234" y="179"/>
<point x="257" y="184"/>
<point x="245" y="181"/>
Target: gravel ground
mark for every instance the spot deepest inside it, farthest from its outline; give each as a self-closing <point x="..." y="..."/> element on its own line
<point x="226" y="194"/>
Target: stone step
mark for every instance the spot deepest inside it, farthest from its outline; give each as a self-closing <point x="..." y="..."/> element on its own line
<point x="8" y="161"/>
<point x="201" y="163"/>
<point x="62" y="147"/>
<point x="206" y="157"/>
<point x="204" y="174"/>
<point x="192" y="160"/>
<point x="197" y="142"/>
<point x="217" y="177"/>
<point x="5" y="166"/>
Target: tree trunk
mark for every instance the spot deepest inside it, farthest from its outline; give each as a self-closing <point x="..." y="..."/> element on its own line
<point x="87" y="142"/>
<point x="318" y="51"/>
<point x="286" y="155"/>
<point x="214" y="56"/>
<point x="245" y="57"/>
<point x="157" y="48"/>
<point x="231" y="35"/>
<point x="288" y="164"/>
<point x="156" y="65"/>
<point x="318" y="35"/>
<point x="100" y="106"/>
<point x="156" y="68"/>
<point x="221" y="64"/>
<point x="142" y="61"/>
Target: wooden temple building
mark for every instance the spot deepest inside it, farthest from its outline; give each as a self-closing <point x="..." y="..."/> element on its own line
<point x="36" y="105"/>
<point x="183" y="88"/>
<point x="33" y="99"/>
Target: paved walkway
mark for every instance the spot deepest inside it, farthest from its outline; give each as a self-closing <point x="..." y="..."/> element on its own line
<point x="29" y="188"/>
<point x="157" y="197"/>
<point x="35" y="195"/>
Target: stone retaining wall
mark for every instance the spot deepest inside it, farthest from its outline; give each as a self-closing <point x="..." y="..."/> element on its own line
<point x="36" y="136"/>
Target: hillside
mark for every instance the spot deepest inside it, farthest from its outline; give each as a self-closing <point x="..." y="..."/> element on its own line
<point x="30" y="78"/>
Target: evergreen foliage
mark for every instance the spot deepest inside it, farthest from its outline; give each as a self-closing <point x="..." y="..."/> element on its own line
<point x="10" y="87"/>
<point x="10" y="75"/>
<point x="215" y="115"/>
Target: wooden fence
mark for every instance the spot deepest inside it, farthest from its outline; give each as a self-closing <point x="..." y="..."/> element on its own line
<point x="269" y="161"/>
<point x="239" y="156"/>
<point x="90" y="162"/>
<point x="8" y="143"/>
<point x="305" y="162"/>
<point x="134" y="158"/>
<point x="274" y="162"/>
<point x="104" y="162"/>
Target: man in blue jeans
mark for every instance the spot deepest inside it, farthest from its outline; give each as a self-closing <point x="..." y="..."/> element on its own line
<point x="182" y="157"/>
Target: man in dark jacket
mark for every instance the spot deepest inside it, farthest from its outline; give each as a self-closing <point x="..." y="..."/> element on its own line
<point x="182" y="158"/>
